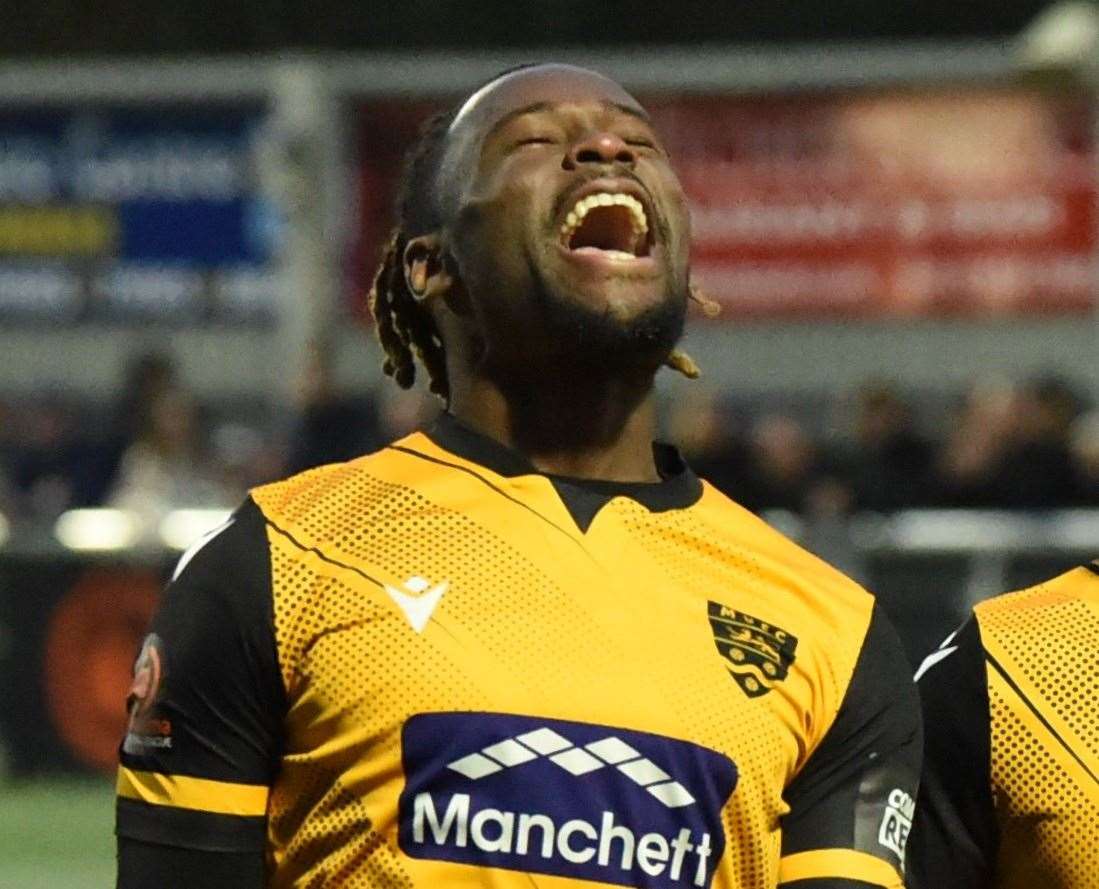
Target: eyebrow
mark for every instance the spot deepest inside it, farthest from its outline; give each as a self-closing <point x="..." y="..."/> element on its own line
<point x="536" y="107"/>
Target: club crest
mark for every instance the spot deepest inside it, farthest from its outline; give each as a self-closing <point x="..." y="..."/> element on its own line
<point x="757" y="653"/>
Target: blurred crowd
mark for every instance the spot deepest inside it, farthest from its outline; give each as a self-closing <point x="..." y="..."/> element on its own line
<point x="1029" y="444"/>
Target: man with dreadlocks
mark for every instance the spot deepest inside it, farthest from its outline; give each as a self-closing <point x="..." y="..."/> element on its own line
<point x="526" y="646"/>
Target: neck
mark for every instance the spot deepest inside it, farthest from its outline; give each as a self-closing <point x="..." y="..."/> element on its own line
<point x="582" y="428"/>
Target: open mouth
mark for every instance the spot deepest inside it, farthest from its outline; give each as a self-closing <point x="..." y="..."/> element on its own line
<point x="612" y="225"/>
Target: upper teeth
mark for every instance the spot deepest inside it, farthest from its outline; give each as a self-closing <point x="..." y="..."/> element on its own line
<point x="605" y="199"/>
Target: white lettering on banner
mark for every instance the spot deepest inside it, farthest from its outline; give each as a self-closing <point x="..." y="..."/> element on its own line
<point x="180" y="169"/>
<point x="703" y="849"/>
<point x="576" y="856"/>
<point x="608" y="834"/>
<point x="457" y="814"/>
<point x="504" y="822"/>
<point x="544" y="824"/>
<point x="576" y="841"/>
<point x="681" y="844"/>
<point x="652" y="854"/>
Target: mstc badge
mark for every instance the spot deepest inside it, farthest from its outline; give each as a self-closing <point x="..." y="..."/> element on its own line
<point x="757" y="653"/>
<point x="570" y="799"/>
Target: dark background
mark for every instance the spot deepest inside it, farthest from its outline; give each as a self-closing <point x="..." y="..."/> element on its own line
<point x="124" y="27"/>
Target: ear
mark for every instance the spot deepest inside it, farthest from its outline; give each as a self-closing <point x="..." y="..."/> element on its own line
<point x="426" y="271"/>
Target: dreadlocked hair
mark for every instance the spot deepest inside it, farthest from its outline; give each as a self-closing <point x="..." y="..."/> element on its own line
<point x="405" y="328"/>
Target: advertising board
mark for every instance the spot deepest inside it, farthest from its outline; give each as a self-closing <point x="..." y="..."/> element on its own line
<point x="133" y="216"/>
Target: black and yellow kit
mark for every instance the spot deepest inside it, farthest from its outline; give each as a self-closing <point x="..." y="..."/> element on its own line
<point x="434" y="666"/>
<point x="1010" y="794"/>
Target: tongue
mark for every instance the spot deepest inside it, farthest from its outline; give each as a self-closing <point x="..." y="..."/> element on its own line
<point x="605" y="228"/>
<point x="609" y="254"/>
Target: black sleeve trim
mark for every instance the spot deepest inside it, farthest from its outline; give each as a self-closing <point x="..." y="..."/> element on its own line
<point x="188" y="828"/>
<point x="858" y="788"/>
<point x="143" y="865"/>
<point x="218" y="709"/>
<point x="955" y="835"/>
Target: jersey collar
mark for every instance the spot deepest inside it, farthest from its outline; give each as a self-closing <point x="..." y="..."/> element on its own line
<point x="678" y="488"/>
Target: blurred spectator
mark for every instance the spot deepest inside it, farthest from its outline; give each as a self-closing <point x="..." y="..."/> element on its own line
<point x="977" y="440"/>
<point x="786" y="471"/>
<point x="244" y="456"/>
<point x="1005" y="446"/>
<point x="147" y="375"/>
<point x="1084" y="446"/>
<point x="331" y="428"/>
<point x="1037" y="470"/>
<point x="163" y="469"/>
<point x="891" y="464"/>
<point x="48" y="462"/>
<point x="703" y="429"/>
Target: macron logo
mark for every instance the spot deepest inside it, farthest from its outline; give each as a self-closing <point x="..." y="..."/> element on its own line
<point x="417" y="601"/>
<point x="577" y="761"/>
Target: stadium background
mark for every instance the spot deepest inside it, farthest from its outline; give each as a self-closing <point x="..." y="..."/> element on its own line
<point x="894" y="202"/>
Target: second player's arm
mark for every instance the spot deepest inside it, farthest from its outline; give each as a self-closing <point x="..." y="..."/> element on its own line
<point x="955" y="835"/>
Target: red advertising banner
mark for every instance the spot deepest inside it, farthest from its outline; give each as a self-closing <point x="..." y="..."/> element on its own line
<point x="968" y="202"/>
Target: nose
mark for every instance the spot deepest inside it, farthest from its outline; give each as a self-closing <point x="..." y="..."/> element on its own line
<point x="599" y="148"/>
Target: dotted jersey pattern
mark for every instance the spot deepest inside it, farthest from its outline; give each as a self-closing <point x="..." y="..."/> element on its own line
<point x="610" y="630"/>
<point x="760" y="752"/>
<point x="1047" y="809"/>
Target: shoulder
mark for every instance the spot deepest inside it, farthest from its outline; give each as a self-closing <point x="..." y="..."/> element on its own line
<point x="318" y="502"/>
<point x="825" y="601"/>
<point x="1042" y="602"/>
<point x="847" y="651"/>
<point x="240" y="542"/>
<point x="742" y="527"/>
<point x="225" y="574"/>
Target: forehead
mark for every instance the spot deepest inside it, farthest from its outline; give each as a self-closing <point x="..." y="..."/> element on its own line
<point x="546" y="85"/>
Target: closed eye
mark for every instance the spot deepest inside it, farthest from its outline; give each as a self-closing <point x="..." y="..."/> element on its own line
<point x="535" y="140"/>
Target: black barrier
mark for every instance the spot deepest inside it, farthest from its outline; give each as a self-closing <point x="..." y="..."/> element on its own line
<point x="69" y="631"/>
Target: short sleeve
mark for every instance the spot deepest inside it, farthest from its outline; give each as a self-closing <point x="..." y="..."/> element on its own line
<point x="207" y="703"/>
<point x="955" y="835"/>
<point x="851" y="805"/>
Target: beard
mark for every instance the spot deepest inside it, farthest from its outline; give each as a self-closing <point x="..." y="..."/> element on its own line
<point x="577" y="340"/>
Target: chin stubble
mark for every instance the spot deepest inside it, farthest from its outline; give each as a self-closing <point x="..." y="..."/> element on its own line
<point x="586" y="336"/>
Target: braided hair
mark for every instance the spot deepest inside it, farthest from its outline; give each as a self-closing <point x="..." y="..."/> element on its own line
<point x="406" y="329"/>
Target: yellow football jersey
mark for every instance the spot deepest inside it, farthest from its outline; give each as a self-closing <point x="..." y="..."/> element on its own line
<point x="480" y="675"/>
<point x="1011" y="795"/>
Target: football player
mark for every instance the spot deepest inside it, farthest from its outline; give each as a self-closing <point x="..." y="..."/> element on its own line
<point x="525" y="646"/>
<point x="1010" y="792"/>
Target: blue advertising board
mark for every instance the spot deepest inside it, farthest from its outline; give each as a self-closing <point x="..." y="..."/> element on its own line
<point x="125" y="216"/>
